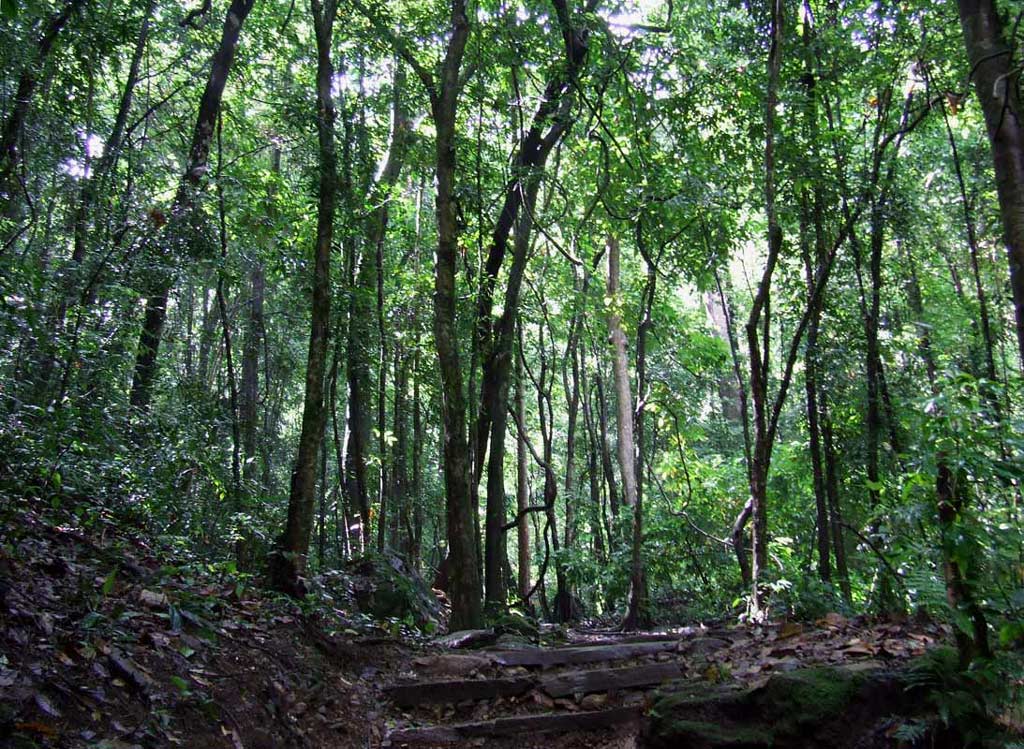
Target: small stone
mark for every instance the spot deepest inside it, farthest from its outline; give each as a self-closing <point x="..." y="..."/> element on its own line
<point x="543" y="700"/>
<point x="594" y="701"/>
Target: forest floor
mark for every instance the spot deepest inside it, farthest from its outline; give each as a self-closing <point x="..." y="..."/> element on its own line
<point x="107" y="641"/>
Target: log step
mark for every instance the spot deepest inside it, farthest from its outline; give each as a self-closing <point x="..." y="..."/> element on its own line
<point x="576" y="655"/>
<point x="556" y="685"/>
<point x="520" y="724"/>
<point x="604" y="680"/>
<point x="440" y="692"/>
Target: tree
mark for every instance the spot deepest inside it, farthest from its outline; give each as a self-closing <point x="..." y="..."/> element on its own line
<point x="288" y="561"/>
<point x="175" y="238"/>
<point x="992" y="64"/>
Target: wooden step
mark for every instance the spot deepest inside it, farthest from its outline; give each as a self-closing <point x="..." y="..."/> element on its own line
<point x="440" y="692"/>
<point x="609" y="679"/>
<point x="556" y="685"/>
<point x="520" y="724"/>
<point x="546" y="658"/>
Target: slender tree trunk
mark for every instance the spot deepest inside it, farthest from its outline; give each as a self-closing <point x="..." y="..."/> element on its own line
<point x="222" y="306"/>
<point x="811" y="217"/>
<point x="593" y="467"/>
<point x="184" y="200"/>
<point x="993" y="70"/>
<point x="496" y="371"/>
<point x="254" y="336"/>
<point x="522" y="480"/>
<point x="288" y="562"/>
<point x="728" y="389"/>
<point x="416" y="545"/>
<point x="12" y="135"/>
<point x="835" y="514"/>
<point x="399" y="479"/>
<point x="636" y="614"/>
<point x="759" y="324"/>
<point x="606" y="452"/>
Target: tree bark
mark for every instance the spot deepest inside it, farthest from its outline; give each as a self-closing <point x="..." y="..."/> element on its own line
<point x="289" y="559"/>
<point x="993" y="69"/>
<point x="522" y="481"/>
<point x="464" y="572"/>
<point x="209" y="110"/>
<point x="758" y="325"/>
<point x="12" y="135"/>
<point x="636" y="614"/>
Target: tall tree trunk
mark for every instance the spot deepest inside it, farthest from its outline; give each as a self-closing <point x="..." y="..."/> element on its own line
<point x="174" y="233"/>
<point x="222" y="306"/>
<point x="594" y="511"/>
<point x="811" y="217"/>
<point x="416" y="545"/>
<point x="288" y="562"/>
<point x="607" y="465"/>
<point x="12" y="135"/>
<point x="759" y="324"/>
<point x="496" y="371"/>
<point x="522" y="480"/>
<point x="250" y="391"/>
<point x="728" y="389"/>
<point x="636" y="614"/>
<point x="813" y="412"/>
<point x="255" y="334"/>
<point x="993" y="69"/>
<point x="464" y="572"/>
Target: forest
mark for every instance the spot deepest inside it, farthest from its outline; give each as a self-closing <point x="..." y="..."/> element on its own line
<point x="622" y="315"/>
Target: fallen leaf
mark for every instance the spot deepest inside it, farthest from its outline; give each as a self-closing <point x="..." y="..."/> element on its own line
<point x="790" y="629"/>
<point x="46" y="706"/>
<point x="153" y="600"/>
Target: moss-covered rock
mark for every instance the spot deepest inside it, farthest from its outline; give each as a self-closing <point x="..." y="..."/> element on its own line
<point x="696" y="734"/>
<point x="813" y="707"/>
<point x="511" y="622"/>
<point x="800" y="701"/>
<point x="385" y="588"/>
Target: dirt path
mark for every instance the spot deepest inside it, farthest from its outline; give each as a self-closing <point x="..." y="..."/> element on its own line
<point x="597" y="689"/>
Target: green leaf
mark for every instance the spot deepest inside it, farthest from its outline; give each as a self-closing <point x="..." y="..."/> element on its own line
<point x="9" y="9"/>
<point x="108" y="582"/>
<point x="181" y="684"/>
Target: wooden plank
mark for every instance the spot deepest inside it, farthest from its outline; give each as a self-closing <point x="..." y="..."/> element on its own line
<point x="603" y="680"/>
<point x="440" y="692"/>
<point x="520" y="724"/>
<point x="571" y="656"/>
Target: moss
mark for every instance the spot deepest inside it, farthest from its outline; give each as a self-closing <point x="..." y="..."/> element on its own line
<point x="513" y="623"/>
<point x="698" y="734"/>
<point x="801" y="700"/>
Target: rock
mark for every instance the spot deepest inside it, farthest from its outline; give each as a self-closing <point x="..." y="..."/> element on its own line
<point x="514" y="623"/>
<point x="467" y="638"/>
<point x="594" y="701"/>
<point x="450" y="665"/>
<point x="820" y="707"/>
<point x="514" y="642"/>
<point x="543" y="700"/>
<point x="385" y="588"/>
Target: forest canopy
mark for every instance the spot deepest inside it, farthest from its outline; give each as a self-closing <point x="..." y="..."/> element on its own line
<point x="640" y="311"/>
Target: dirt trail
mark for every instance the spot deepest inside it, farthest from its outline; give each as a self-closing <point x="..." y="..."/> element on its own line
<point x="597" y="689"/>
<point x="108" y="640"/>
